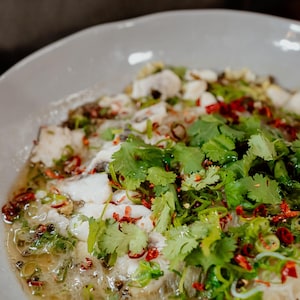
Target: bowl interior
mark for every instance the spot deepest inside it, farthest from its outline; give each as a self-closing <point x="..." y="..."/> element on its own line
<point x="103" y="59"/>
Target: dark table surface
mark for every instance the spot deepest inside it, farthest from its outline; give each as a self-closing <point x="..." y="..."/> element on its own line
<point x="26" y="26"/>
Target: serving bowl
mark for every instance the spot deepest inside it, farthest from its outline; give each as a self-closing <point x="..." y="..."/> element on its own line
<point x="103" y="59"/>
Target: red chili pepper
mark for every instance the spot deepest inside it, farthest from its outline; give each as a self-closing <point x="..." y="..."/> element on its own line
<point x="277" y="123"/>
<point x="247" y="249"/>
<point x="59" y="205"/>
<point x="146" y="203"/>
<point x="242" y="262"/>
<point x="136" y="255"/>
<point x="266" y="283"/>
<point x="213" y="108"/>
<point x="284" y="206"/>
<point x="35" y="283"/>
<point x="10" y="212"/>
<point x="225" y="220"/>
<point x="198" y="286"/>
<point x="152" y="253"/>
<point x="116" y="216"/>
<point x="260" y="210"/>
<point x="265" y="110"/>
<point x="284" y="235"/>
<point x="41" y="229"/>
<point x="292" y="131"/>
<point x="287" y="128"/>
<point x="237" y="105"/>
<point x="207" y="163"/>
<point x="24" y="197"/>
<point x="289" y="269"/>
<point x="12" y="209"/>
<point x="126" y="218"/>
<point x="53" y="175"/>
<point x="85" y="141"/>
<point x="72" y="164"/>
<point x="129" y="219"/>
<point x="286" y="212"/>
<point x="263" y="242"/>
<point x="87" y="265"/>
<point x="239" y="210"/>
<point x="93" y="171"/>
<point x="198" y="102"/>
<point x="197" y="178"/>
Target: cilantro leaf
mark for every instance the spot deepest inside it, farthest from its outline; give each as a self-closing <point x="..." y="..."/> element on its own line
<point x="163" y="207"/>
<point x="219" y="149"/>
<point x="232" y="133"/>
<point x="204" y="130"/>
<point x="262" y="147"/>
<point x="222" y="251"/>
<point x="180" y="242"/>
<point x="296" y="145"/>
<point x="146" y="271"/>
<point x="259" y="188"/>
<point x="159" y="176"/>
<point x="262" y="189"/>
<point x="112" y="240"/>
<point x="189" y="158"/>
<point x="242" y="167"/>
<point x="134" y="159"/>
<point x="128" y="238"/>
<point x="250" y="125"/>
<point x="202" y="179"/>
<point x="234" y="192"/>
<point x="96" y="229"/>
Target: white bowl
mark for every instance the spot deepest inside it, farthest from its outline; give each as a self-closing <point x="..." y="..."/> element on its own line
<point x="107" y="57"/>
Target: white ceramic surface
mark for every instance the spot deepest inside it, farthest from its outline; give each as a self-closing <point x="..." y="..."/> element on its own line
<point x="106" y="57"/>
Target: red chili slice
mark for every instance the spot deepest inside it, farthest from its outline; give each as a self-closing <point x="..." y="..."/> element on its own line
<point x="126" y="218"/>
<point x="260" y="211"/>
<point x="198" y="286"/>
<point x="136" y="255"/>
<point x="266" y="283"/>
<point x="72" y="164"/>
<point x="225" y="220"/>
<point x="287" y="128"/>
<point x="243" y="262"/>
<point x="213" y="108"/>
<point x="35" y="283"/>
<point x="288" y="213"/>
<point x="24" y="197"/>
<point x="59" y="205"/>
<point x="152" y="253"/>
<point x="266" y="111"/>
<point x="288" y="270"/>
<point x="12" y="209"/>
<point x="284" y="235"/>
<point x="87" y="265"/>
<point x="238" y="105"/>
<point x="53" y="174"/>
<point x="247" y="250"/>
<point x="239" y="210"/>
<point x="146" y="203"/>
<point x="85" y="141"/>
